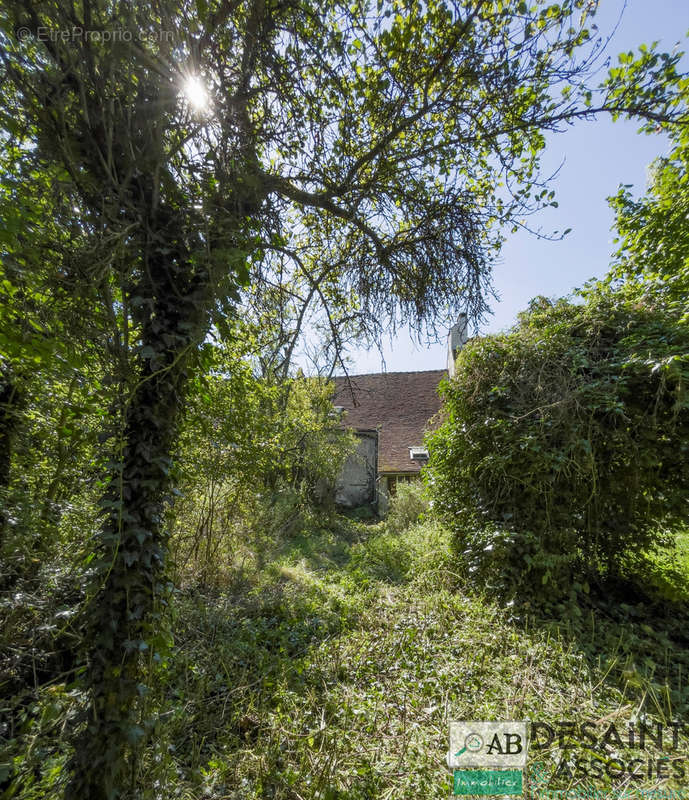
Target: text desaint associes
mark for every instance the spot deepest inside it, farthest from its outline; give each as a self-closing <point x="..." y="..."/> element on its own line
<point x="655" y="749"/>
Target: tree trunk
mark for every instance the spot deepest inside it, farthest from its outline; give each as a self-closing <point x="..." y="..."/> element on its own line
<point x="126" y="613"/>
<point x="9" y="403"/>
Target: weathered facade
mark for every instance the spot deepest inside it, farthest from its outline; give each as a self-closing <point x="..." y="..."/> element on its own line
<point x="356" y="484"/>
<point x="390" y="412"/>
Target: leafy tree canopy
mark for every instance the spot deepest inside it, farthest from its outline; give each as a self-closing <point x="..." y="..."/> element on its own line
<point x="653" y="254"/>
<point x="381" y="144"/>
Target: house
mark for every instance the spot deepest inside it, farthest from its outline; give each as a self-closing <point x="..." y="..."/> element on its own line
<point x="390" y="412"/>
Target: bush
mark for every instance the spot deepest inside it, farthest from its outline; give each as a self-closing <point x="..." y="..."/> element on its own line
<point x="256" y="460"/>
<point x="567" y="443"/>
<point x="406" y="506"/>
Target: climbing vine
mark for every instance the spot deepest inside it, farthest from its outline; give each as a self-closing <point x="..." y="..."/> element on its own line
<point x="565" y="452"/>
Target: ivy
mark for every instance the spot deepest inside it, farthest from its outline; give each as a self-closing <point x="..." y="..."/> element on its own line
<point x="565" y="453"/>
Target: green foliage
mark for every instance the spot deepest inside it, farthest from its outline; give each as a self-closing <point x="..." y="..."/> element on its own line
<point x="666" y="570"/>
<point x="652" y="260"/>
<point x="255" y="457"/>
<point x="343" y="653"/>
<point x="258" y="431"/>
<point x="565" y="451"/>
<point x="339" y="649"/>
<point x="407" y="506"/>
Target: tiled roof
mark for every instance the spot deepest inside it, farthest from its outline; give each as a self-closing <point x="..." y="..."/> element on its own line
<point x="399" y="405"/>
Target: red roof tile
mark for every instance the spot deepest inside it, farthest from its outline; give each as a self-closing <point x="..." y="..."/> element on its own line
<point x="399" y="405"/>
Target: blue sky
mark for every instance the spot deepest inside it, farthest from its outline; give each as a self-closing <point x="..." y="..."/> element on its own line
<point x="597" y="156"/>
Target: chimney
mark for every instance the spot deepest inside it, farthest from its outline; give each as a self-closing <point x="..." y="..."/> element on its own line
<point x="456" y="339"/>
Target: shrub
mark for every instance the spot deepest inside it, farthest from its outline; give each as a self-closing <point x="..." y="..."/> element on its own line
<point x="256" y="460"/>
<point x="566" y="446"/>
<point x="406" y="506"/>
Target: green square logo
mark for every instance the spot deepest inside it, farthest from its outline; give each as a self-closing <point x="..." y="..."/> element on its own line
<point x="488" y="781"/>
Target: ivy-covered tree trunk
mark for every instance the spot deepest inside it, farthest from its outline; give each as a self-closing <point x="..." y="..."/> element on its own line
<point x="7" y="395"/>
<point x="126" y="616"/>
<point x="9" y="402"/>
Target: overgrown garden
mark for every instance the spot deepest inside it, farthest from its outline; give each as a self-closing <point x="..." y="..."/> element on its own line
<point x="195" y="211"/>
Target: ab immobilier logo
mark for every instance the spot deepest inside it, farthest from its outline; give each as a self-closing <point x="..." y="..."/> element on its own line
<point x="488" y="758"/>
<point x="593" y="759"/>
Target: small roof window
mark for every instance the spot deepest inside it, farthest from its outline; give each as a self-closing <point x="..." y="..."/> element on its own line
<point x="418" y="454"/>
